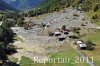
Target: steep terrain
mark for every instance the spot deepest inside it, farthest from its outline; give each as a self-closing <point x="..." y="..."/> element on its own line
<point x="4" y="6"/>
<point x="19" y="4"/>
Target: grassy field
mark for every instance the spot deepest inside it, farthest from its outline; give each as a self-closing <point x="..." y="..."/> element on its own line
<point x="90" y="14"/>
<point x="65" y="54"/>
<point x="98" y="23"/>
<point x="13" y="59"/>
<point x="95" y="38"/>
<point x="1" y="14"/>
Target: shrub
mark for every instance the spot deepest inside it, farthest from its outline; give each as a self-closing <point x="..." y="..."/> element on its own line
<point x="50" y="33"/>
<point x="96" y="16"/>
<point x="75" y="15"/>
<point x="90" y="45"/>
<point x="64" y="27"/>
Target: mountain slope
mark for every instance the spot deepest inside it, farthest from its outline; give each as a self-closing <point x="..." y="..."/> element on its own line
<point x="29" y="4"/>
<point x="5" y="6"/>
<point x="20" y="4"/>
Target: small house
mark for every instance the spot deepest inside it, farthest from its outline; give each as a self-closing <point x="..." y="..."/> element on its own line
<point x="62" y="37"/>
<point x="66" y="32"/>
<point x="57" y="33"/>
<point x="81" y="45"/>
<point x="79" y="42"/>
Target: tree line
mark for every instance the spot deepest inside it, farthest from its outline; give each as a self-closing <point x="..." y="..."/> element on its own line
<point x="6" y="40"/>
<point x="56" y="5"/>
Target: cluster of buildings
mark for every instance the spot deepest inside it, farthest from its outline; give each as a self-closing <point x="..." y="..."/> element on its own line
<point x="62" y="34"/>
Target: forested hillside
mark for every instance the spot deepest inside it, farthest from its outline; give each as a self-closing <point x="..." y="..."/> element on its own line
<point x="56" y="5"/>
